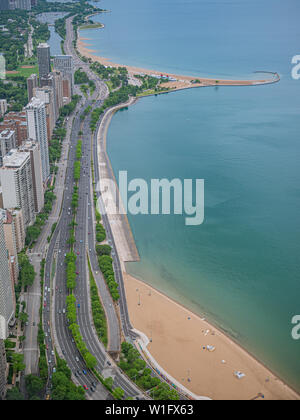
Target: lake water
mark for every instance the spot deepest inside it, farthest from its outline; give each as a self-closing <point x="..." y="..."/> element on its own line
<point x="241" y="267"/>
<point x="55" y="40"/>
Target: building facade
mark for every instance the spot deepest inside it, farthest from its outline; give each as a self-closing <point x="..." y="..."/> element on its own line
<point x="32" y="83"/>
<point x="7" y="143"/>
<point x="36" y="168"/>
<point x="65" y="64"/>
<point x="16" y="182"/>
<point x="11" y="245"/>
<point x="46" y="95"/>
<point x="7" y="308"/>
<point x="37" y="131"/>
<point x="20" y="233"/>
<point x="16" y="121"/>
<point x="43" y="54"/>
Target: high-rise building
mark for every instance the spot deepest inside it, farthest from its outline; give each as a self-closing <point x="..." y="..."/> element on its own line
<point x="11" y="244"/>
<point x="46" y="95"/>
<point x="17" y="215"/>
<point x="43" y="54"/>
<point x="32" y="83"/>
<point x="36" y="169"/>
<point x="54" y="80"/>
<point x="3" y="107"/>
<point x="16" y="182"/>
<point x="65" y="64"/>
<point x="7" y="142"/>
<point x="37" y="131"/>
<point x="3" y="370"/>
<point x="7" y="308"/>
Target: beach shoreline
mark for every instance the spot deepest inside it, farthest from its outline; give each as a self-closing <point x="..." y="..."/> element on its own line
<point x="180" y="82"/>
<point x="195" y="352"/>
<point x="259" y="379"/>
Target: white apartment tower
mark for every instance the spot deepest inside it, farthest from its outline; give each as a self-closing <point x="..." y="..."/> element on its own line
<point x="36" y="169"/>
<point x="46" y="95"/>
<point x="17" y="185"/>
<point x="37" y="131"/>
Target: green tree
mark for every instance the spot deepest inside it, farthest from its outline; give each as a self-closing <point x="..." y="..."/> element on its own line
<point x="14" y="394"/>
<point x="34" y="385"/>
<point x="18" y="362"/>
<point x="118" y="393"/>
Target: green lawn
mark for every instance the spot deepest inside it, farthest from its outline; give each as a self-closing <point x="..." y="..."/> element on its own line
<point x="27" y="72"/>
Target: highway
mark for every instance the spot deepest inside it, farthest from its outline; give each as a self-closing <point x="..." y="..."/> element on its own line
<point x="54" y="318"/>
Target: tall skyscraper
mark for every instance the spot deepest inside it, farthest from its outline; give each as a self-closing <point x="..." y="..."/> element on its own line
<point x="36" y="169"/>
<point x="3" y="366"/>
<point x="16" y="181"/>
<point x="32" y="83"/>
<point x="46" y="95"/>
<point x="43" y="54"/>
<point x="6" y="293"/>
<point x="64" y="64"/>
<point x="7" y="142"/>
<point x="37" y="131"/>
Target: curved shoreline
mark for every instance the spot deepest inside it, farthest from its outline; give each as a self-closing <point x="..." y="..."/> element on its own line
<point x="274" y="387"/>
<point x="181" y="81"/>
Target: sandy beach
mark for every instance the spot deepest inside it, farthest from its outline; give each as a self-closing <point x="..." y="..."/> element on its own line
<point x="178" y="340"/>
<point x="195" y="353"/>
<point x="182" y="81"/>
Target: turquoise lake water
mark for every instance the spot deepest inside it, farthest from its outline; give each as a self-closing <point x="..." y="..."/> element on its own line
<point x="241" y="267"/>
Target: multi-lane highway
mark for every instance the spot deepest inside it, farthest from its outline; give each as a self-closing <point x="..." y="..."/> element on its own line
<point x="54" y="316"/>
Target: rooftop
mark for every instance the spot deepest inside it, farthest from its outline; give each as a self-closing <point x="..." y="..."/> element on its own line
<point x="14" y="159"/>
